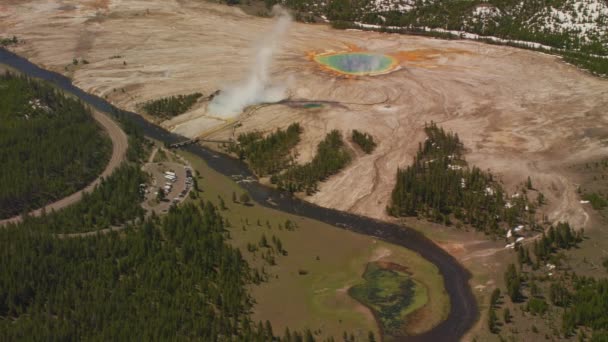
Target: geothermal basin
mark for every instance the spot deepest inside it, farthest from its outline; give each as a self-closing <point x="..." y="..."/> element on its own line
<point x="357" y="63"/>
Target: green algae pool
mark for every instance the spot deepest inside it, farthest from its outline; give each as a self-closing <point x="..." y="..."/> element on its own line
<point x="357" y="63"/>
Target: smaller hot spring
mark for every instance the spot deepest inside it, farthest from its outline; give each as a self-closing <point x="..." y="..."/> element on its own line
<point x="312" y="105"/>
<point x="358" y="63"/>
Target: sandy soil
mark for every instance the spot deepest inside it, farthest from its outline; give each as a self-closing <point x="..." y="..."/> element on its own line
<point x="120" y="143"/>
<point x="520" y="112"/>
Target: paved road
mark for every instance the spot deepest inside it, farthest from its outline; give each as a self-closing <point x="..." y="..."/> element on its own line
<point x="120" y="143"/>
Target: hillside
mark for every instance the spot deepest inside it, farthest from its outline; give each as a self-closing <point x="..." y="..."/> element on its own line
<point x="581" y="24"/>
<point x="567" y="25"/>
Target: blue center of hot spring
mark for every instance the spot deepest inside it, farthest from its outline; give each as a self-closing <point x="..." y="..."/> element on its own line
<point x="357" y="62"/>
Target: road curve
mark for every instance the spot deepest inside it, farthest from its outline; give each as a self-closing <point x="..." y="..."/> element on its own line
<point x="120" y="143"/>
<point x="463" y="309"/>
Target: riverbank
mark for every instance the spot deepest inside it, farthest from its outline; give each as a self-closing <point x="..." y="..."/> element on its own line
<point x="463" y="311"/>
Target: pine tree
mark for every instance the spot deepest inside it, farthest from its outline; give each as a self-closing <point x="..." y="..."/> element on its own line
<point x="245" y="198"/>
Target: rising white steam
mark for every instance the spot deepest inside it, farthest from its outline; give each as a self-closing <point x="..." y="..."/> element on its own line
<point x="256" y="88"/>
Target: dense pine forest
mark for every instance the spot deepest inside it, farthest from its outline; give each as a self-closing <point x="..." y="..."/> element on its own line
<point x="112" y="203"/>
<point x="167" y="278"/>
<point x="168" y="107"/>
<point x="441" y="186"/>
<point x="332" y="155"/>
<point x="364" y="140"/>
<point x="50" y="146"/>
<point x="270" y="154"/>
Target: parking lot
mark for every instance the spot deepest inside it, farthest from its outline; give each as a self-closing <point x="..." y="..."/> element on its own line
<point x="174" y="179"/>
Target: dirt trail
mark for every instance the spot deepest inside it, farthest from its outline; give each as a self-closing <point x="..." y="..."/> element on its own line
<point x="119" y="150"/>
<point x="91" y="233"/>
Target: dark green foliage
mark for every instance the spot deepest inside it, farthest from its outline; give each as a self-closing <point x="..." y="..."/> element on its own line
<point x="514" y="23"/>
<point x="537" y="306"/>
<point x="439" y="185"/>
<point x="523" y="256"/>
<point x="161" y="195"/>
<point x="598" y="202"/>
<point x="495" y="297"/>
<point x="506" y="314"/>
<point x="245" y="198"/>
<point x="560" y="237"/>
<point x="513" y="283"/>
<point x="596" y="65"/>
<point x="50" y="146"/>
<point x="517" y="21"/>
<point x="270" y="154"/>
<point x="605" y="264"/>
<point x="167" y="278"/>
<point x="138" y="145"/>
<point x="534" y="289"/>
<point x="112" y="203"/>
<point x="492" y="321"/>
<point x="168" y="107"/>
<point x="589" y="305"/>
<point x="559" y="294"/>
<point x="332" y="155"/>
<point x="600" y="336"/>
<point x="364" y="140"/>
<point x="8" y="41"/>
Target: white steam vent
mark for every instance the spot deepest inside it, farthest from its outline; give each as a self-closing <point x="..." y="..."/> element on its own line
<point x="256" y="88"/>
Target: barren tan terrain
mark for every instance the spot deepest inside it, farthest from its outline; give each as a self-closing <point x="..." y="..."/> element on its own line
<point x="520" y="113"/>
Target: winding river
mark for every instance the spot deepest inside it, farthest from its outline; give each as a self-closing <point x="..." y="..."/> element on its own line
<point x="463" y="310"/>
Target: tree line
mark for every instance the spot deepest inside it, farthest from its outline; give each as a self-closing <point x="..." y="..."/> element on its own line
<point x="441" y="186"/>
<point x="168" y="107"/>
<point x="163" y="278"/>
<point x="332" y="155"/>
<point x="50" y="145"/>
<point x="271" y="155"/>
<point x="268" y="154"/>
<point x="116" y="200"/>
<point x="512" y="20"/>
<point x="9" y="41"/>
<point x="364" y="140"/>
<point x="583" y="300"/>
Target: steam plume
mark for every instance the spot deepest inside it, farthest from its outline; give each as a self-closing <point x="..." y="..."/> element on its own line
<point x="256" y="88"/>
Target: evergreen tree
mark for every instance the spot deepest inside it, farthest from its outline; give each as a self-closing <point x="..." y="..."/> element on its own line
<point x="245" y="198"/>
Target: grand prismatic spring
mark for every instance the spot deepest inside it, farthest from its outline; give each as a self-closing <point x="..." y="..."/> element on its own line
<point x="358" y="63"/>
